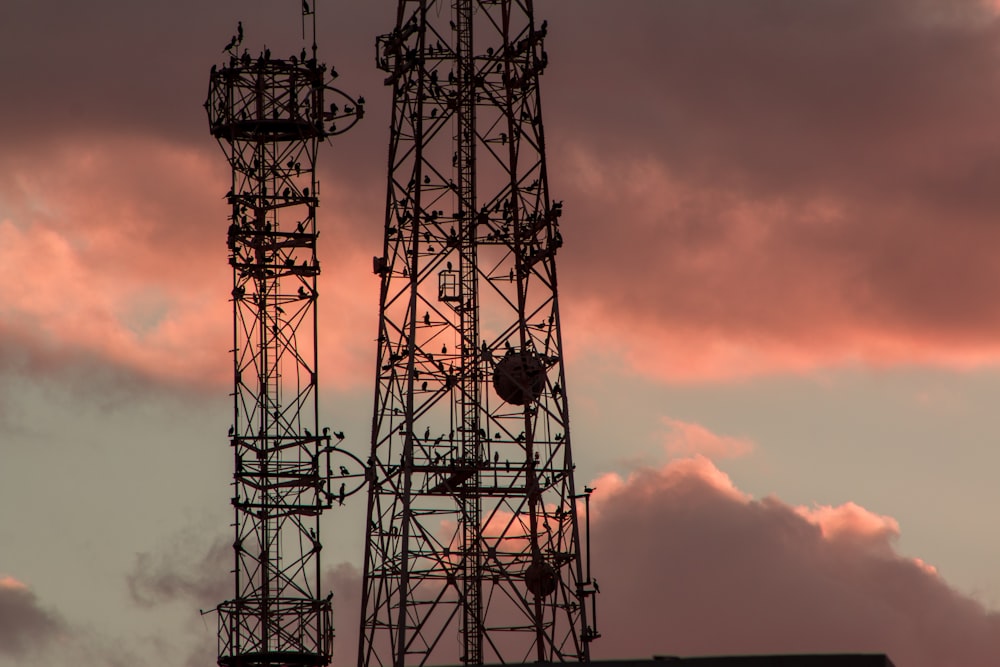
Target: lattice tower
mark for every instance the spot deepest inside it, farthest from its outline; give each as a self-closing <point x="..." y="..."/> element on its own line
<point x="269" y="116"/>
<point x="473" y="541"/>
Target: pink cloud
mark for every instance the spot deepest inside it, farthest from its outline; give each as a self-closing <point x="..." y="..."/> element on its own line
<point x="732" y="286"/>
<point x="852" y="522"/>
<point x="11" y="584"/>
<point x="25" y="626"/>
<point x="116" y="251"/>
<point x="758" y="200"/>
<point x="690" y="565"/>
<point x="103" y="255"/>
<point x="687" y="439"/>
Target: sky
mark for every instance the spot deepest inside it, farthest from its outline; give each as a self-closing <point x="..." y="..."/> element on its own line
<point x="778" y="291"/>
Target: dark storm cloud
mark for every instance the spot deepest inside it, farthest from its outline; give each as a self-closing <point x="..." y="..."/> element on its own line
<point x="113" y="67"/>
<point x="24" y="624"/>
<point x="779" y="95"/>
<point x="818" y="174"/>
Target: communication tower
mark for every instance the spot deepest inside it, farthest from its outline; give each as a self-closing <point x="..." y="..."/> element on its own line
<point x="473" y="540"/>
<point x="270" y="115"/>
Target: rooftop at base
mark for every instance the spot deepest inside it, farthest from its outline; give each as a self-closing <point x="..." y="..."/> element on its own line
<point x="823" y="660"/>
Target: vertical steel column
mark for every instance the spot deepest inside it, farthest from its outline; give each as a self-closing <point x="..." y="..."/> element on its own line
<point x="472" y="445"/>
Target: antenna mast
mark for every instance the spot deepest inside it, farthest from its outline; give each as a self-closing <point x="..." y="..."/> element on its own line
<point x="473" y="540"/>
<point x="269" y="116"/>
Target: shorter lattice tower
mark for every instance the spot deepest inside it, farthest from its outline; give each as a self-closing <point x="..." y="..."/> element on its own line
<point x="270" y="115"/>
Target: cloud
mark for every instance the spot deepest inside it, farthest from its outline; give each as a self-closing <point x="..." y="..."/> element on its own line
<point x="345" y="581"/>
<point x="687" y="438"/>
<point x="105" y="85"/>
<point x="24" y="625"/>
<point x="114" y="253"/>
<point x="853" y="524"/>
<point x="183" y="572"/>
<point x="197" y="575"/>
<point x="688" y="564"/>
<point x="103" y="257"/>
<point x="741" y="187"/>
<point x="756" y="197"/>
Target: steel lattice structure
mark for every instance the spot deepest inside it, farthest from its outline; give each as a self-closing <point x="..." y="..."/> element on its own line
<point x="270" y="115"/>
<point x="473" y="540"/>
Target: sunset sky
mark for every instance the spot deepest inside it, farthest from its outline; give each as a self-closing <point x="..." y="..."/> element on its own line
<point x="780" y="292"/>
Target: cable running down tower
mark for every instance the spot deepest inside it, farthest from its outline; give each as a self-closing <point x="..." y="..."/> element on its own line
<point x="473" y="540"/>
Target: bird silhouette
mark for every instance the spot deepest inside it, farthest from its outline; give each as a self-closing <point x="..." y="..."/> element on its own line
<point x="339" y="435"/>
<point x="305" y="8"/>
<point x="344" y="471"/>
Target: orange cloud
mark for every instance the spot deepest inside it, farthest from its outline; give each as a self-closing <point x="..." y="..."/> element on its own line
<point x="12" y="584"/>
<point x="116" y="251"/>
<point x="851" y="522"/>
<point x="688" y="439"/>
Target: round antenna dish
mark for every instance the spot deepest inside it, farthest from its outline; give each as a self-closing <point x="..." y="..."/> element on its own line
<point x="541" y="579"/>
<point x="519" y="378"/>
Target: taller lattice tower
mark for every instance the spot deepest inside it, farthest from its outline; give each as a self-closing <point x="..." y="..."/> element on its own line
<point x="270" y="115"/>
<point x="473" y="540"/>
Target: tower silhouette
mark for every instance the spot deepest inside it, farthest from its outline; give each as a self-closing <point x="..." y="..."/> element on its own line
<point x="473" y="538"/>
<point x="269" y="115"/>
